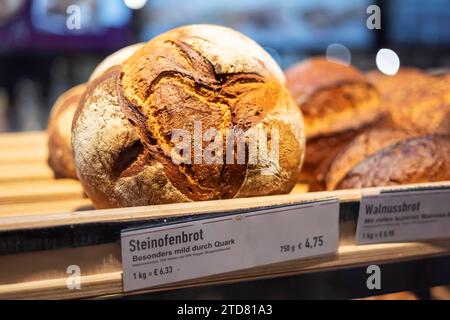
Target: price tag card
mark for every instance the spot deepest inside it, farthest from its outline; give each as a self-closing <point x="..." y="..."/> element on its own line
<point x="182" y="251"/>
<point x="404" y="216"/>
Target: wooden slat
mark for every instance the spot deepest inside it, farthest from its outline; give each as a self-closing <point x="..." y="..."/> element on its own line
<point x="11" y="156"/>
<point x="42" y="275"/>
<point x="57" y="206"/>
<point x="169" y="210"/>
<point x="33" y="139"/>
<point x="40" y="191"/>
<point x="25" y="172"/>
<point x="46" y="207"/>
<point x="156" y="211"/>
<point x="52" y="196"/>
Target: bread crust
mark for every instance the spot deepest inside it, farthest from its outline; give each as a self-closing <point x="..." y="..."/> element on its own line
<point x="414" y="160"/>
<point x="121" y="135"/>
<point x="320" y="153"/>
<point x="414" y="100"/>
<point x="333" y="97"/>
<point x="60" y="158"/>
<point x="363" y="146"/>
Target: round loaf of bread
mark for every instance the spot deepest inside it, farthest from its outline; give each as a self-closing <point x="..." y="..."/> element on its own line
<point x="337" y="102"/>
<point x="59" y="128"/>
<point x="332" y="96"/>
<point x="414" y="160"/>
<point x="189" y="80"/>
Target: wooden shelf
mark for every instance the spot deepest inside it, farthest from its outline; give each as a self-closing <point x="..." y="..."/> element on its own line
<point x="47" y="225"/>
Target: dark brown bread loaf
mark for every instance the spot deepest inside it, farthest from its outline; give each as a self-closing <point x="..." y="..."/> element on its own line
<point x="122" y="130"/>
<point x="337" y="102"/>
<point x="416" y="104"/>
<point x="363" y="146"/>
<point x="59" y="127"/>
<point x="414" y="160"/>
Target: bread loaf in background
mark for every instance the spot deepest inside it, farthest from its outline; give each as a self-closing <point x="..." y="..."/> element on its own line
<point x="416" y="104"/>
<point x="414" y="100"/>
<point x="363" y="146"/>
<point x="414" y="160"/>
<point x="320" y="154"/>
<point x="338" y="103"/>
<point x="406" y="77"/>
<point x="332" y="96"/>
<point x="122" y="131"/>
<point x="59" y="128"/>
<point x="426" y="109"/>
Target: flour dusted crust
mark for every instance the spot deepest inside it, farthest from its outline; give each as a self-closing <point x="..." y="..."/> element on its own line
<point x="122" y="131"/>
<point x="414" y="160"/>
<point x="60" y="157"/>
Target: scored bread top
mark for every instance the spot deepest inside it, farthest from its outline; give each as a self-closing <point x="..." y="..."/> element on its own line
<point x="196" y="73"/>
<point x="414" y="160"/>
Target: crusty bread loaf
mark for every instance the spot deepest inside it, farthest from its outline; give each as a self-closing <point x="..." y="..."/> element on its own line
<point x="320" y="153"/>
<point x="414" y="100"/>
<point x="60" y="122"/>
<point x="333" y="97"/>
<point x="414" y="160"/>
<point x="426" y="109"/>
<point x="337" y="102"/>
<point x="59" y="127"/>
<point x="406" y="77"/>
<point x="122" y="130"/>
<point x="363" y="146"/>
<point x="416" y="105"/>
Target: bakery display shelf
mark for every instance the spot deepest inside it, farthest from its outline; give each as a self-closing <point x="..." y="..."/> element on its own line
<point x="47" y="225"/>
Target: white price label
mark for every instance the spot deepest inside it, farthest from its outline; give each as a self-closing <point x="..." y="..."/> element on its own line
<point x="403" y="216"/>
<point x="161" y="255"/>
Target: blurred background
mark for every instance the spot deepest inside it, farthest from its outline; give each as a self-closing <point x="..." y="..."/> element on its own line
<point x="42" y="55"/>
